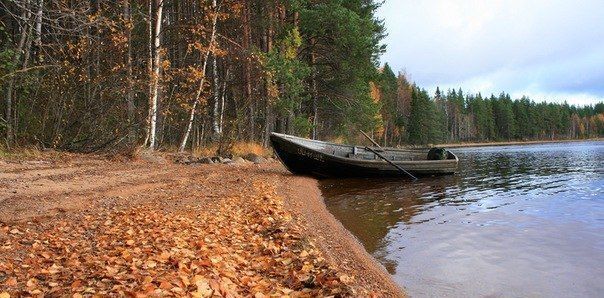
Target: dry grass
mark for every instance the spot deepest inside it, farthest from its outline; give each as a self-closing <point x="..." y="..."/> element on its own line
<point x="239" y="149"/>
<point x="29" y="153"/>
<point x="208" y="150"/>
<point x="243" y="148"/>
<point x="133" y="153"/>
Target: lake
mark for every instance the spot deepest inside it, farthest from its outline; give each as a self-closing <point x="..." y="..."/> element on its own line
<point x="515" y="221"/>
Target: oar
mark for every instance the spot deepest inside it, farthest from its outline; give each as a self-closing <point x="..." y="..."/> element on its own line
<point x="384" y="158"/>
<point x="370" y="139"/>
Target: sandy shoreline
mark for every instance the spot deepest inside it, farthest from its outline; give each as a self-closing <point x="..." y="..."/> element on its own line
<point x="42" y="203"/>
<point x="304" y="199"/>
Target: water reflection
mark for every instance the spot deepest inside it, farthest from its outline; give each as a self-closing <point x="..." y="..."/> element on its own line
<point x="516" y="221"/>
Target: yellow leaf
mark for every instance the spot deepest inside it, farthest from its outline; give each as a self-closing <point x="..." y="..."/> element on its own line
<point x="203" y="286"/>
<point x="54" y="269"/>
<point x="148" y="280"/>
<point x="31" y="283"/>
<point x="151" y="264"/>
<point x="4" y="295"/>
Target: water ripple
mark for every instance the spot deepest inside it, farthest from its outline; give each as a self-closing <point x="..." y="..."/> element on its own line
<point x="516" y="219"/>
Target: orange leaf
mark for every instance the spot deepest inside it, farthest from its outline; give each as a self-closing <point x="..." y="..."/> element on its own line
<point x="11" y="282"/>
<point x="76" y="284"/>
<point x="165" y="285"/>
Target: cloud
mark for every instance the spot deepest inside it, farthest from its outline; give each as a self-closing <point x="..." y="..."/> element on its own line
<point x="553" y="48"/>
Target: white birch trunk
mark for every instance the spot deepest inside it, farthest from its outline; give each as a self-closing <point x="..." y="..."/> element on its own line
<point x="222" y="97"/>
<point x="185" y="138"/>
<point x="155" y="75"/>
<point x="149" y="68"/>
<point x="215" y="120"/>
<point x="38" y="41"/>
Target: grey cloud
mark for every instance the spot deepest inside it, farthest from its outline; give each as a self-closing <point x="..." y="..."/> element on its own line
<point x="544" y="47"/>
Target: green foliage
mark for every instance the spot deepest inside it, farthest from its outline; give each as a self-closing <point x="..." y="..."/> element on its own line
<point x="483" y="116"/>
<point x="504" y="117"/>
<point x="388" y="86"/>
<point x="344" y="36"/>
<point x="286" y="73"/>
<point x="426" y="123"/>
<point x="302" y="126"/>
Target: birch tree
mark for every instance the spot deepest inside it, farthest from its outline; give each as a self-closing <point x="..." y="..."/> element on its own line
<point x="210" y="48"/>
<point x="155" y="75"/>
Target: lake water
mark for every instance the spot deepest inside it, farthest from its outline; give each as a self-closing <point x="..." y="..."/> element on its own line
<point x="516" y="221"/>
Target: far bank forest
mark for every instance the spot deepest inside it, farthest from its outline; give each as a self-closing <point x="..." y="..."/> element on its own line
<point x="181" y="74"/>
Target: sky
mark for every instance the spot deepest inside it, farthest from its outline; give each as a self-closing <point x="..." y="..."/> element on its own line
<point x="548" y="50"/>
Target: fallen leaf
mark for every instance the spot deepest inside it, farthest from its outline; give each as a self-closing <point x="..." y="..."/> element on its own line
<point x="32" y="282"/>
<point x="164" y="285"/>
<point x="11" y="282"/>
<point x="76" y="284"/>
<point x="203" y="286"/>
<point x="54" y="269"/>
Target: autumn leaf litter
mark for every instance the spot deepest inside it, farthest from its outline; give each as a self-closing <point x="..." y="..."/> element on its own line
<point x="248" y="245"/>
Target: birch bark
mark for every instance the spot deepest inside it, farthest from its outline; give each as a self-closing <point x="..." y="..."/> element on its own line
<point x="155" y="75"/>
<point x="215" y="117"/>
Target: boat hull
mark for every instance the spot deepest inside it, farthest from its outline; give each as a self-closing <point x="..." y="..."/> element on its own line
<point x="307" y="161"/>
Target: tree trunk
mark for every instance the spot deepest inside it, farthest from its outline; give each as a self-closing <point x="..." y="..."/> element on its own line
<point x="38" y="41"/>
<point x="247" y="37"/>
<point x="185" y="138"/>
<point x="129" y="92"/>
<point x="315" y="98"/>
<point x="222" y="98"/>
<point x="156" y="75"/>
<point x="11" y="82"/>
<point x="215" y="116"/>
<point x="149" y="68"/>
<point x="268" y="107"/>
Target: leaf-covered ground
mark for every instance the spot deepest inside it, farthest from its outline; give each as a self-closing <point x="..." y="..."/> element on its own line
<point x="186" y="241"/>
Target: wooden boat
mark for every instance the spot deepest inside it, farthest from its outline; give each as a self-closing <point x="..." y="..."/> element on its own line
<point x="322" y="159"/>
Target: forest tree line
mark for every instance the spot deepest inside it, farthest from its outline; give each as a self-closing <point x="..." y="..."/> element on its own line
<point x="96" y="74"/>
<point x="409" y="115"/>
<point x="84" y="75"/>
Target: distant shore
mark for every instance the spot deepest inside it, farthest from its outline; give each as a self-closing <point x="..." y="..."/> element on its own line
<point x="512" y="143"/>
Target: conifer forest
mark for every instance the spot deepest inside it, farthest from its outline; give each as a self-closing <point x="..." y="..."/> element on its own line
<point x="90" y="75"/>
